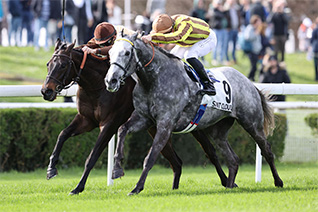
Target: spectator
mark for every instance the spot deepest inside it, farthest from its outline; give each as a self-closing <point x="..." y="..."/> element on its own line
<point x="199" y="12"/>
<point x="252" y="33"/>
<point x="69" y="21"/>
<point x="114" y="12"/>
<point x="143" y="23"/>
<point x="275" y="73"/>
<point x="15" y="9"/>
<point x="155" y="5"/>
<point x="55" y="18"/>
<point x="218" y="22"/>
<point x="257" y="8"/>
<point x="234" y="25"/>
<point x="42" y="15"/>
<point x="84" y="20"/>
<point x="314" y="46"/>
<point x="27" y="20"/>
<point x="279" y="21"/>
<point x="302" y="34"/>
<point x="3" y="18"/>
<point x="99" y="11"/>
<point x="244" y="8"/>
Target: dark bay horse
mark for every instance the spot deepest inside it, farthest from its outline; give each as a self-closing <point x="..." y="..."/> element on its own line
<point x="167" y="98"/>
<point x="99" y="108"/>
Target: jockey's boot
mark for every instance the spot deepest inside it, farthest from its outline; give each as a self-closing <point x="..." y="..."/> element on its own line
<point x="208" y="86"/>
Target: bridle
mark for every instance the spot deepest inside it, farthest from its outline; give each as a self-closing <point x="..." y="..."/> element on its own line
<point x="62" y="84"/>
<point x="138" y="62"/>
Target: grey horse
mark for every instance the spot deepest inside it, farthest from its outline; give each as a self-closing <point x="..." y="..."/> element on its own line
<point x="167" y="98"/>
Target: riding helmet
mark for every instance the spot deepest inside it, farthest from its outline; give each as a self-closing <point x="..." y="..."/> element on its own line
<point x="104" y="32"/>
<point x="162" y="24"/>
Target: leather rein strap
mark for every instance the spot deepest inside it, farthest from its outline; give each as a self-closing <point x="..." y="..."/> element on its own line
<point x="153" y="54"/>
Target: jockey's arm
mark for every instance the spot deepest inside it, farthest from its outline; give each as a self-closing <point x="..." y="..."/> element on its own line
<point x="181" y="34"/>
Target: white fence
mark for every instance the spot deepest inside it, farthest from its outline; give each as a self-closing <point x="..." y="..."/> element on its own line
<point x="279" y="89"/>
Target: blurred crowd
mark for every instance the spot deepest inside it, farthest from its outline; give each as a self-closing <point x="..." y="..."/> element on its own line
<point x="258" y="27"/>
<point x="32" y="16"/>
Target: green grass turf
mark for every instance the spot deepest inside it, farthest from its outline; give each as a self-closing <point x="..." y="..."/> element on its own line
<point x="200" y="190"/>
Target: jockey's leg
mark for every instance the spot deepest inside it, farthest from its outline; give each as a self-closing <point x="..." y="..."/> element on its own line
<point x="208" y="87"/>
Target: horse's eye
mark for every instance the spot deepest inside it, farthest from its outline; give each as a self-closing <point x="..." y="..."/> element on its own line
<point x="127" y="53"/>
<point x="63" y="65"/>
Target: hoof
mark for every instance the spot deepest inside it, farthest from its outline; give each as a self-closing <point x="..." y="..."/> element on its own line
<point x="73" y="193"/>
<point x="135" y="192"/>
<point x="279" y="183"/>
<point x="76" y="191"/>
<point x="50" y="173"/>
<point x="117" y="173"/>
<point x="233" y="186"/>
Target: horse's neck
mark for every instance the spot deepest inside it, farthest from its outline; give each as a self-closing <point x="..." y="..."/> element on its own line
<point x="165" y="73"/>
<point x="93" y="73"/>
<point x="157" y="68"/>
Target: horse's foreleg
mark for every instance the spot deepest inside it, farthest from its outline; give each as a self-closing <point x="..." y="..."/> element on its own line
<point x="164" y="130"/>
<point x="78" y="126"/>
<point x="104" y="136"/>
<point x="134" y="124"/>
<point x="210" y="152"/>
<point x="174" y="160"/>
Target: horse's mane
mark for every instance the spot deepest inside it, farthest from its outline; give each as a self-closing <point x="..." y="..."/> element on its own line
<point x="165" y="52"/>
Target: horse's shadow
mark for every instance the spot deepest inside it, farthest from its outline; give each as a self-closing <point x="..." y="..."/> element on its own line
<point x="226" y="191"/>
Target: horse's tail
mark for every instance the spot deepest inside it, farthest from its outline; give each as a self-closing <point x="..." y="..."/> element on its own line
<point x="269" y="121"/>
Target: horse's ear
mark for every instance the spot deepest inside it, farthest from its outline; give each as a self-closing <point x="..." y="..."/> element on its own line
<point x="71" y="46"/>
<point x="57" y="44"/>
<point x="122" y="33"/>
<point x="134" y="36"/>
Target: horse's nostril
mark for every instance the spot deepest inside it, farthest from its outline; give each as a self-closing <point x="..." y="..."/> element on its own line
<point x="47" y="92"/>
<point x="113" y="81"/>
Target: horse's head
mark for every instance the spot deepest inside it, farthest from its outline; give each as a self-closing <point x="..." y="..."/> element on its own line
<point x="124" y="61"/>
<point x="59" y="71"/>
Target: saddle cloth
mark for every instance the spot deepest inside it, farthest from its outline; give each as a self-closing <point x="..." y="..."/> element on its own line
<point x="223" y="98"/>
<point x="221" y="101"/>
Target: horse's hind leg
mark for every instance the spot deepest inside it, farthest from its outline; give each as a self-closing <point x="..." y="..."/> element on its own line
<point x="78" y="126"/>
<point x="264" y="145"/>
<point x="174" y="160"/>
<point x="218" y="133"/>
<point x="210" y="152"/>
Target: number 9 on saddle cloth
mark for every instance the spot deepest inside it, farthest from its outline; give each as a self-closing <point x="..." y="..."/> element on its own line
<point x="221" y="101"/>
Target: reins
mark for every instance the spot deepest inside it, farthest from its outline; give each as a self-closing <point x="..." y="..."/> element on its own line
<point x="153" y="54"/>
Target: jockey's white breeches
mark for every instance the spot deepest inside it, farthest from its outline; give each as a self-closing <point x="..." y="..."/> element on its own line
<point x="199" y="49"/>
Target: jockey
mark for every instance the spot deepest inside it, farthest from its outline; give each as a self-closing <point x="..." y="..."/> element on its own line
<point x="105" y="35"/>
<point x="193" y="37"/>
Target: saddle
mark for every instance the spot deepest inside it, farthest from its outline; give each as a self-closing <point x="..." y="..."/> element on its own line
<point x="194" y="76"/>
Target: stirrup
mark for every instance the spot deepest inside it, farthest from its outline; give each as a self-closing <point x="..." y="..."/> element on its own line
<point x="208" y="92"/>
<point x="208" y="88"/>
